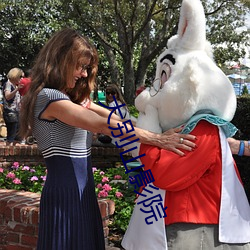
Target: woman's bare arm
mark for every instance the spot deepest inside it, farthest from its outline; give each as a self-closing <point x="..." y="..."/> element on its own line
<point x="103" y="111"/>
<point x="235" y="146"/>
<point x="75" y="115"/>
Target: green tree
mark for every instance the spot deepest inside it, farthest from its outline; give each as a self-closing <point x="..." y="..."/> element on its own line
<point x="25" y="26"/>
<point x="133" y="33"/>
<point x="222" y="30"/>
<point x="129" y="34"/>
<point x="244" y="90"/>
<point x="246" y="3"/>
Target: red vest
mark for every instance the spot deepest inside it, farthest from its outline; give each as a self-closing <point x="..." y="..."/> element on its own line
<point x="192" y="182"/>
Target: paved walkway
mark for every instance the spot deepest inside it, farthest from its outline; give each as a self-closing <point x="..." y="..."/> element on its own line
<point x="112" y="248"/>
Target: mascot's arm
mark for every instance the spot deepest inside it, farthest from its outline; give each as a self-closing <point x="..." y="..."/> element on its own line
<point x="173" y="172"/>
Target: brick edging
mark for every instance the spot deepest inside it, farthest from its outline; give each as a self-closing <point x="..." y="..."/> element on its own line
<point x="102" y="156"/>
<point x="19" y="218"/>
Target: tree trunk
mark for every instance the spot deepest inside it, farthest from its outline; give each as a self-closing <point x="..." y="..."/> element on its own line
<point x="141" y="74"/>
<point x="114" y="71"/>
<point x="129" y="81"/>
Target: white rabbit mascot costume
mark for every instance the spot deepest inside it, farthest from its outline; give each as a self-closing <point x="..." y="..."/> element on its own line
<point x="201" y="191"/>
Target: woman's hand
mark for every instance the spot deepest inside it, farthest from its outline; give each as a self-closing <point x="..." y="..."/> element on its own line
<point x="173" y="141"/>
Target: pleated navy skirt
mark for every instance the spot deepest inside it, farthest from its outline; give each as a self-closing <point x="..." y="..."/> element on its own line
<point x="69" y="213"/>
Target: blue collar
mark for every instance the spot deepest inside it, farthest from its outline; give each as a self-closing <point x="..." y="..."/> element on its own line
<point x="228" y="128"/>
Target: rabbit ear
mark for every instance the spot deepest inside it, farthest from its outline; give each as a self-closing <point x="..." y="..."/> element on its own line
<point x="192" y="25"/>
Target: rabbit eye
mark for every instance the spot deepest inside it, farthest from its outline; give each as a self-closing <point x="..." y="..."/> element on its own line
<point x="158" y="84"/>
<point x="165" y="74"/>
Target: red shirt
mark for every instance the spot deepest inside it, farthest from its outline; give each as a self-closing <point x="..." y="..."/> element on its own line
<point x="192" y="182"/>
<point x="26" y="84"/>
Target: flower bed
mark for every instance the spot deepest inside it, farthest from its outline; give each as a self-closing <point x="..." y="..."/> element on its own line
<point x="113" y="184"/>
<point x="20" y="177"/>
<point x="110" y="183"/>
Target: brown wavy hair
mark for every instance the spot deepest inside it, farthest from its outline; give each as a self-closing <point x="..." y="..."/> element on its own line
<point x="54" y="68"/>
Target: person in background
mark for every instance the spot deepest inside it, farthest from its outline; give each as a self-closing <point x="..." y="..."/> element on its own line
<point x="25" y="82"/>
<point x="11" y="104"/>
<point x="1" y="89"/>
<point x="113" y="90"/>
<point x="239" y="147"/>
<point x="1" y="100"/>
<point x="62" y="79"/>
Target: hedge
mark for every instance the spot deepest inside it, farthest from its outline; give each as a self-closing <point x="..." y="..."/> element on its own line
<point x="242" y="121"/>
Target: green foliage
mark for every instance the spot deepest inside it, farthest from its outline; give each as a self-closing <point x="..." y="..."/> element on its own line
<point x="128" y="34"/>
<point x="137" y="31"/>
<point x="24" y="178"/>
<point x="113" y="184"/>
<point x="133" y="111"/>
<point x="246" y="3"/>
<point x="242" y="121"/>
<point x="242" y="117"/>
<point x="109" y="184"/>
<point x="244" y="90"/>
<point x="25" y="27"/>
<point x="223" y="31"/>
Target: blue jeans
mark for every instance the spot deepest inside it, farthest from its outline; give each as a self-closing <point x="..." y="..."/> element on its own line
<point x="12" y="129"/>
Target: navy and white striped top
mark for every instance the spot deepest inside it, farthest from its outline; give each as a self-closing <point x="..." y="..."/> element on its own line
<point x="55" y="137"/>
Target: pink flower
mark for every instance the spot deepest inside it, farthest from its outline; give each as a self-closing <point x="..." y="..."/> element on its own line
<point x="131" y="179"/>
<point x="43" y="178"/>
<point x="26" y="168"/>
<point x="1" y="170"/>
<point x="17" y="181"/>
<point x="15" y="165"/>
<point x="105" y="179"/>
<point x="118" y="194"/>
<point x="94" y="170"/>
<point x="99" y="185"/>
<point x="102" y="193"/>
<point x="34" y="178"/>
<point x="32" y="170"/>
<point x="102" y="173"/>
<point x="11" y="175"/>
<point x="107" y="187"/>
<point x="117" y="177"/>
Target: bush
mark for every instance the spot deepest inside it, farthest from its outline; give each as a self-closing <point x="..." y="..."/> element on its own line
<point x="111" y="184"/>
<point x="244" y="90"/>
<point x="242" y="121"/>
<point x="133" y="111"/>
<point x="24" y="178"/>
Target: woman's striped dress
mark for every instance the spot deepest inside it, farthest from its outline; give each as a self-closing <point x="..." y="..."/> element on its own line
<point x="69" y="213"/>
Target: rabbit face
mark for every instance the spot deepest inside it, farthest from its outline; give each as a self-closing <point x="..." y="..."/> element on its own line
<point x="187" y="80"/>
